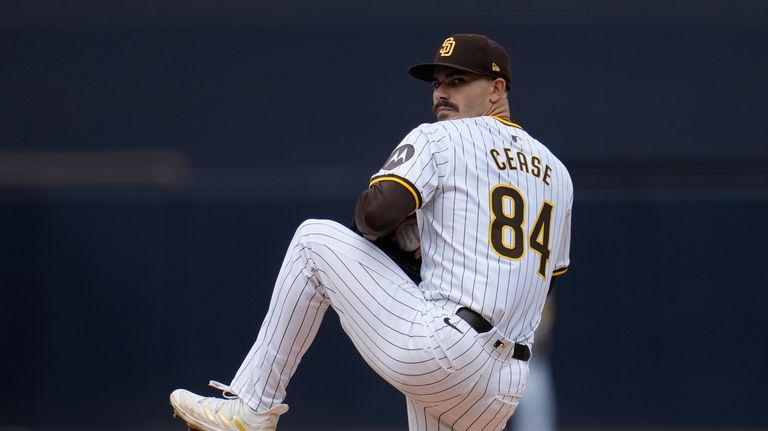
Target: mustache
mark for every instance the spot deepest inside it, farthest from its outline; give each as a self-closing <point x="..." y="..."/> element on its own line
<point x="443" y="103"/>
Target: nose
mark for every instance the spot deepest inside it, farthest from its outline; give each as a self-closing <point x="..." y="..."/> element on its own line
<point x="440" y="93"/>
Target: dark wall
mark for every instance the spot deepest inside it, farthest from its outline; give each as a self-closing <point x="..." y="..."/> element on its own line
<point x="155" y="159"/>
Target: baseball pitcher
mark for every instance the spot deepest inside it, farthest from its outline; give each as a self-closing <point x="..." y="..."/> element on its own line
<point x="482" y="209"/>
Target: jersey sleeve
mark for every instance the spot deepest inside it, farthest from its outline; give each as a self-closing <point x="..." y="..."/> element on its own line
<point x="562" y="254"/>
<point x="412" y="164"/>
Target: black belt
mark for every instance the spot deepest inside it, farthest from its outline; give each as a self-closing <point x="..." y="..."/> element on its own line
<point x="479" y="324"/>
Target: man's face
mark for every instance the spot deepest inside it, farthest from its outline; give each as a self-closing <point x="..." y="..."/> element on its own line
<point x="458" y="94"/>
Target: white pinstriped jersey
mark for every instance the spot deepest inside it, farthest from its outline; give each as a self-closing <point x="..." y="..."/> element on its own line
<point x="494" y="217"/>
<point x="494" y="222"/>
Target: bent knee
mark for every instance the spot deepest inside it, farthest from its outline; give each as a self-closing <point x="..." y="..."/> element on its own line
<point x="319" y="226"/>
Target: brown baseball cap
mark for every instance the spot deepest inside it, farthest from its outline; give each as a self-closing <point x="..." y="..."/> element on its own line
<point x="471" y="53"/>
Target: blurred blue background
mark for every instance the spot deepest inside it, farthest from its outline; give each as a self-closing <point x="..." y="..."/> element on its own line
<point x="156" y="156"/>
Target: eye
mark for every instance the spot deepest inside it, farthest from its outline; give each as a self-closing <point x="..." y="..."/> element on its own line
<point x="458" y="81"/>
<point x="435" y="85"/>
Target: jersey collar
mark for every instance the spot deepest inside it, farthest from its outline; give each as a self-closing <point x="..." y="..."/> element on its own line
<point x="507" y="122"/>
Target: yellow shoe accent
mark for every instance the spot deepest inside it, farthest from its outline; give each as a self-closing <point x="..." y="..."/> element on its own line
<point x="225" y="421"/>
<point x="239" y="424"/>
<point x="209" y="414"/>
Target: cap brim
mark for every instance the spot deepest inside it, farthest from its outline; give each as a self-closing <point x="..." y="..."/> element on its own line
<point x="426" y="71"/>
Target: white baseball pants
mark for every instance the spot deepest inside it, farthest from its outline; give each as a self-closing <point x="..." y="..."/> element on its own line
<point x="452" y="377"/>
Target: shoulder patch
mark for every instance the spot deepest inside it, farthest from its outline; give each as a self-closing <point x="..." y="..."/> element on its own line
<point x="401" y="155"/>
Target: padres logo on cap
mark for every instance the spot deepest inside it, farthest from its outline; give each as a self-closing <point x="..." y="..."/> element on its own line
<point x="447" y="48"/>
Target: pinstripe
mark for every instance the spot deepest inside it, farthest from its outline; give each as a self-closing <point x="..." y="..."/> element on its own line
<point x="263" y="381"/>
<point x="272" y="334"/>
<point x="443" y="225"/>
<point x="285" y="338"/>
<point x="467" y="394"/>
<point x="364" y="288"/>
<point x="464" y="197"/>
<point x="522" y="303"/>
<point x="385" y="345"/>
<point x="498" y="143"/>
<point x="423" y="148"/>
<point x="363" y="311"/>
<point x="268" y="319"/>
<point x="485" y="145"/>
<point x="477" y="207"/>
<point x="453" y="224"/>
<point x="479" y="402"/>
<point x="309" y="334"/>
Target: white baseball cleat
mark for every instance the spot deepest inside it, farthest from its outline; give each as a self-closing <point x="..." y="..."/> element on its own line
<point x="222" y="414"/>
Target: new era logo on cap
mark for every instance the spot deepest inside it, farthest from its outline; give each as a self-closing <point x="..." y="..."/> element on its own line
<point x="473" y="53"/>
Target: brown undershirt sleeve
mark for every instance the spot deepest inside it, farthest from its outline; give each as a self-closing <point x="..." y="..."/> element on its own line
<point x="382" y="207"/>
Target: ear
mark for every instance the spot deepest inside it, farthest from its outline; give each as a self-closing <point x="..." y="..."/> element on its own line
<point x="498" y="91"/>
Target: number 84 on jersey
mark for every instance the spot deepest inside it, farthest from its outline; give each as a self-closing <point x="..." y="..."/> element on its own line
<point x="508" y="238"/>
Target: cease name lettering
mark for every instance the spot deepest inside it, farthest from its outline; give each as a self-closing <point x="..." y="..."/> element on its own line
<point x="513" y="160"/>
